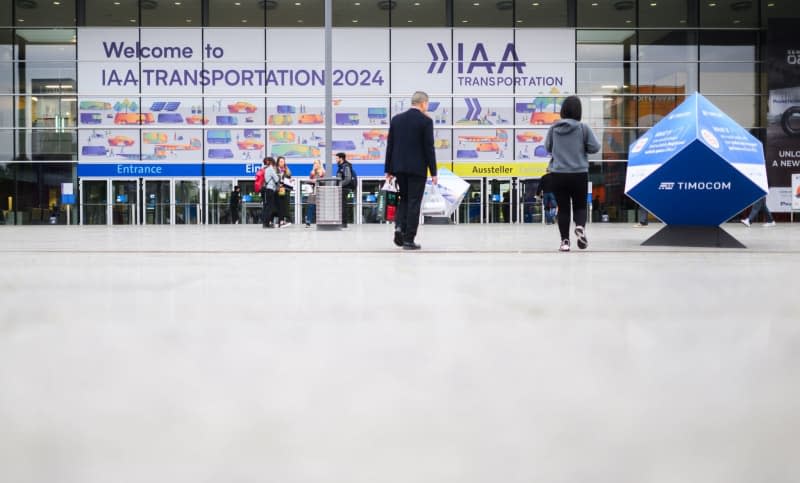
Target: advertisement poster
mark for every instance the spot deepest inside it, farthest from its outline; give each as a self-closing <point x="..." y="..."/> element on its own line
<point x="783" y="114"/>
<point x="796" y="192"/>
<point x="186" y="96"/>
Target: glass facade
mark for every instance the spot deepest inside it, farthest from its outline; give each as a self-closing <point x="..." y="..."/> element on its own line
<point x="634" y="60"/>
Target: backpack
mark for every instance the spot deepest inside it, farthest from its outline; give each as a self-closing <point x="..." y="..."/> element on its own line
<point x="260" y="180"/>
<point x="353" y="181"/>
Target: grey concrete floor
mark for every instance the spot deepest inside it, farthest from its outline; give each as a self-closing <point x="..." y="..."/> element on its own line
<point x="232" y="353"/>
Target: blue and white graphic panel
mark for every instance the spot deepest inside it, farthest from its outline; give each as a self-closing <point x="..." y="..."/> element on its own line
<point x="483" y="144"/>
<point x="485" y="61"/>
<point x="171" y="62"/>
<point x="235" y="59"/>
<point x="422" y="60"/>
<point x="103" y="144"/>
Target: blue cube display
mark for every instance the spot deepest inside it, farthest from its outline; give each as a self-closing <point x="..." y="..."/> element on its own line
<point x="696" y="166"/>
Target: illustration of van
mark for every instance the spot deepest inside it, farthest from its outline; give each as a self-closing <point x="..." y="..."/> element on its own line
<point x="540" y="118"/>
<point x="220" y="153"/>
<point x="250" y="145"/>
<point x="285" y="109"/>
<point x="344" y="145"/>
<point x="120" y="140"/>
<point x="196" y="119"/>
<point x="218" y="136"/>
<point x="280" y="119"/>
<point x="310" y="119"/>
<point x="529" y="137"/>
<point x="466" y="153"/>
<point x="94" y="151"/>
<point x="282" y="137"/>
<point x="252" y="133"/>
<point x="346" y="119"/>
<point x="376" y="135"/>
<point x="241" y="106"/>
<point x="134" y="118"/>
<point x="170" y="117"/>
<point x="227" y="121"/>
<point x="377" y="113"/>
<point x="91" y="118"/>
<point x="295" y="151"/>
<point x="94" y="106"/>
<point x="154" y="137"/>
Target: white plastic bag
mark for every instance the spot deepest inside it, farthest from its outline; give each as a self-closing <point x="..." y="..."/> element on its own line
<point x="390" y="186"/>
<point x="433" y="203"/>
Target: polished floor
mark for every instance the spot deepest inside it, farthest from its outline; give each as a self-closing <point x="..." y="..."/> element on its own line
<point x="236" y="354"/>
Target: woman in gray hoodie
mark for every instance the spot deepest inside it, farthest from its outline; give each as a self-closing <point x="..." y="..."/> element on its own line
<point x="569" y="141"/>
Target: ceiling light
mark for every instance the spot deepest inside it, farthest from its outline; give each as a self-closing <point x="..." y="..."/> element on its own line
<point x="237" y="3"/>
<point x="299" y="20"/>
<point x="177" y="3"/>
<point x="683" y="21"/>
<point x="357" y="4"/>
<point x="355" y="20"/>
<point x="410" y="21"/>
<point x="188" y="20"/>
<point x="116" y="3"/>
<point x="712" y="4"/>
<point x="34" y="99"/>
<point x="476" y="4"/>
<point x="297" y="4"/>
<point x="653" y="4"/>
<point x="770" y="4"/>
<point x="416" y="4"/>
<point x="133" y="20"/>
<point x="629" y="21"/>
<point x="535" y="4"/>
<point x="20" y="20"/>
<point x="244" y="20"/>
<point x="594" y="4"/>
<point x="56" y="3"/>
<point x="737" y="21"/>
<point x="465" y="21"/>
<point x="519" y="21"/>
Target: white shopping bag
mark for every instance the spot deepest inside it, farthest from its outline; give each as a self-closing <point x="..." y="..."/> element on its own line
<point x="390" y="186"/>
<point x="433" y="203"/>
<point x="452" y="189"/>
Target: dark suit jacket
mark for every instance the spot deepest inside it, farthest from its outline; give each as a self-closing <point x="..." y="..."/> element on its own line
<point x="409" y="148"/>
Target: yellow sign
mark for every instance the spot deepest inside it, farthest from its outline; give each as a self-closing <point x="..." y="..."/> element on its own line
<point x="499" y="169"/>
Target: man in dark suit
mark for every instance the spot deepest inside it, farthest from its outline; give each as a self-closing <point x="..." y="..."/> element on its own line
<point x="409" y="156"/>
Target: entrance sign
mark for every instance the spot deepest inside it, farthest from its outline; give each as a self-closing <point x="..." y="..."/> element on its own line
<point x="696" y="167"/>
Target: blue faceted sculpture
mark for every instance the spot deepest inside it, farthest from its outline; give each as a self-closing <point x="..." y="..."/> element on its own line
<point x="696" y="167"/>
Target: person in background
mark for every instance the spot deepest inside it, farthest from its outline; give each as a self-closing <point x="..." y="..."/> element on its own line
<point x="643" y="214"/>
<point x="410" y="156"/>
<point x="570" y="141"/>
<point x="758" y="207"/>
<point x="317" y="173"/>
<point x="549" y="204"/>
<point x="284" y="189"/>
<point x="348" y="182"/>
<point x="268" y="197"/>
<point x="236" y="204"/>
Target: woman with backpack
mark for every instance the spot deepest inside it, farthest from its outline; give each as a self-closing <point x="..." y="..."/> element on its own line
<point x="569" y="141"/>
<point x="269" y="185"/>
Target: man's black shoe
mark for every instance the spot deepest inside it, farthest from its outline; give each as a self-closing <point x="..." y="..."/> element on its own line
<point x="398" y="238"/>
<point x="411" y="246"/>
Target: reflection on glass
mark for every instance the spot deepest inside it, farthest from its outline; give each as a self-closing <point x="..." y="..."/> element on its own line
<point x="187" y="202"/>
<point x="606" y="45"/>
<point x="157" y="202"/>
<point x="94" y="202"/>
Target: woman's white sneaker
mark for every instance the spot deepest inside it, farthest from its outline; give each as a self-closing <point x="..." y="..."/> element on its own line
<point x="564" y="246"/>
<point x="580" y="233"/>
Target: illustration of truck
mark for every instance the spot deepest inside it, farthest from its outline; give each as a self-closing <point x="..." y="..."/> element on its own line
<point x="241" y="106"/>
<point x="346" y="119"/>
<point x="94" y="106"/>
<point x="126" y="118"/>
<point x="91" y="118"/>
<point x="218" y="136"/>
<point x="295" y="151"/>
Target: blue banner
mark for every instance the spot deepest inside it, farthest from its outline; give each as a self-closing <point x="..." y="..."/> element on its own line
<point x="139" y="170"/>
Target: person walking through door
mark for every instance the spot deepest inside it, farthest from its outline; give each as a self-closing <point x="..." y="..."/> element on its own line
<point x="569" y="141"/>
<point x="236" y="204"/>
<point x="410" y="156"/>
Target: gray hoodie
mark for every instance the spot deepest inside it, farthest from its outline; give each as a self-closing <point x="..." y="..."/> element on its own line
<point x="569" y="141"/>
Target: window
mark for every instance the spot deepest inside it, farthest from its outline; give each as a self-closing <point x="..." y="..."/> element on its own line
<point x="171" y="13"/>
<point x="541" y="13"/>
<point x="55" y="13"/>
<point x="121" y="13"/>
<point x="483" y="13"/>
<point x="665" y="13"/>
<point x="605" y="13"/>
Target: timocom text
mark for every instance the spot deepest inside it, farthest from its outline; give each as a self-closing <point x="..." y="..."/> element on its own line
<point x="695" y="185"/>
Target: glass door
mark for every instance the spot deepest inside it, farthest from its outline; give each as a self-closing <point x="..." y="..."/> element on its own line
<point x="157" y="208"/>
<point x="124" y="201"/>
<point x="370" y="189"/>
<point x="94" y="202"/>
<point x="498" y="201"/>
<point x="470" y="210"/>
<point x="530" y="206"/>
<point x="218" y="209"/>
<point x="187" y="201"/>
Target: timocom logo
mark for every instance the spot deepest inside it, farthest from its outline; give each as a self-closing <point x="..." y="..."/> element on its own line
<point x="695" y="185"/>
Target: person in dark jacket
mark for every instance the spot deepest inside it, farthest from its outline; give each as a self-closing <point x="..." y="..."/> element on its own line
<point x="569" y="141"/>
<point x="410" y="156"/>
<point x="348" y="182"/>
<point x="549" y="204"/>
<point x="236" y="204"/>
